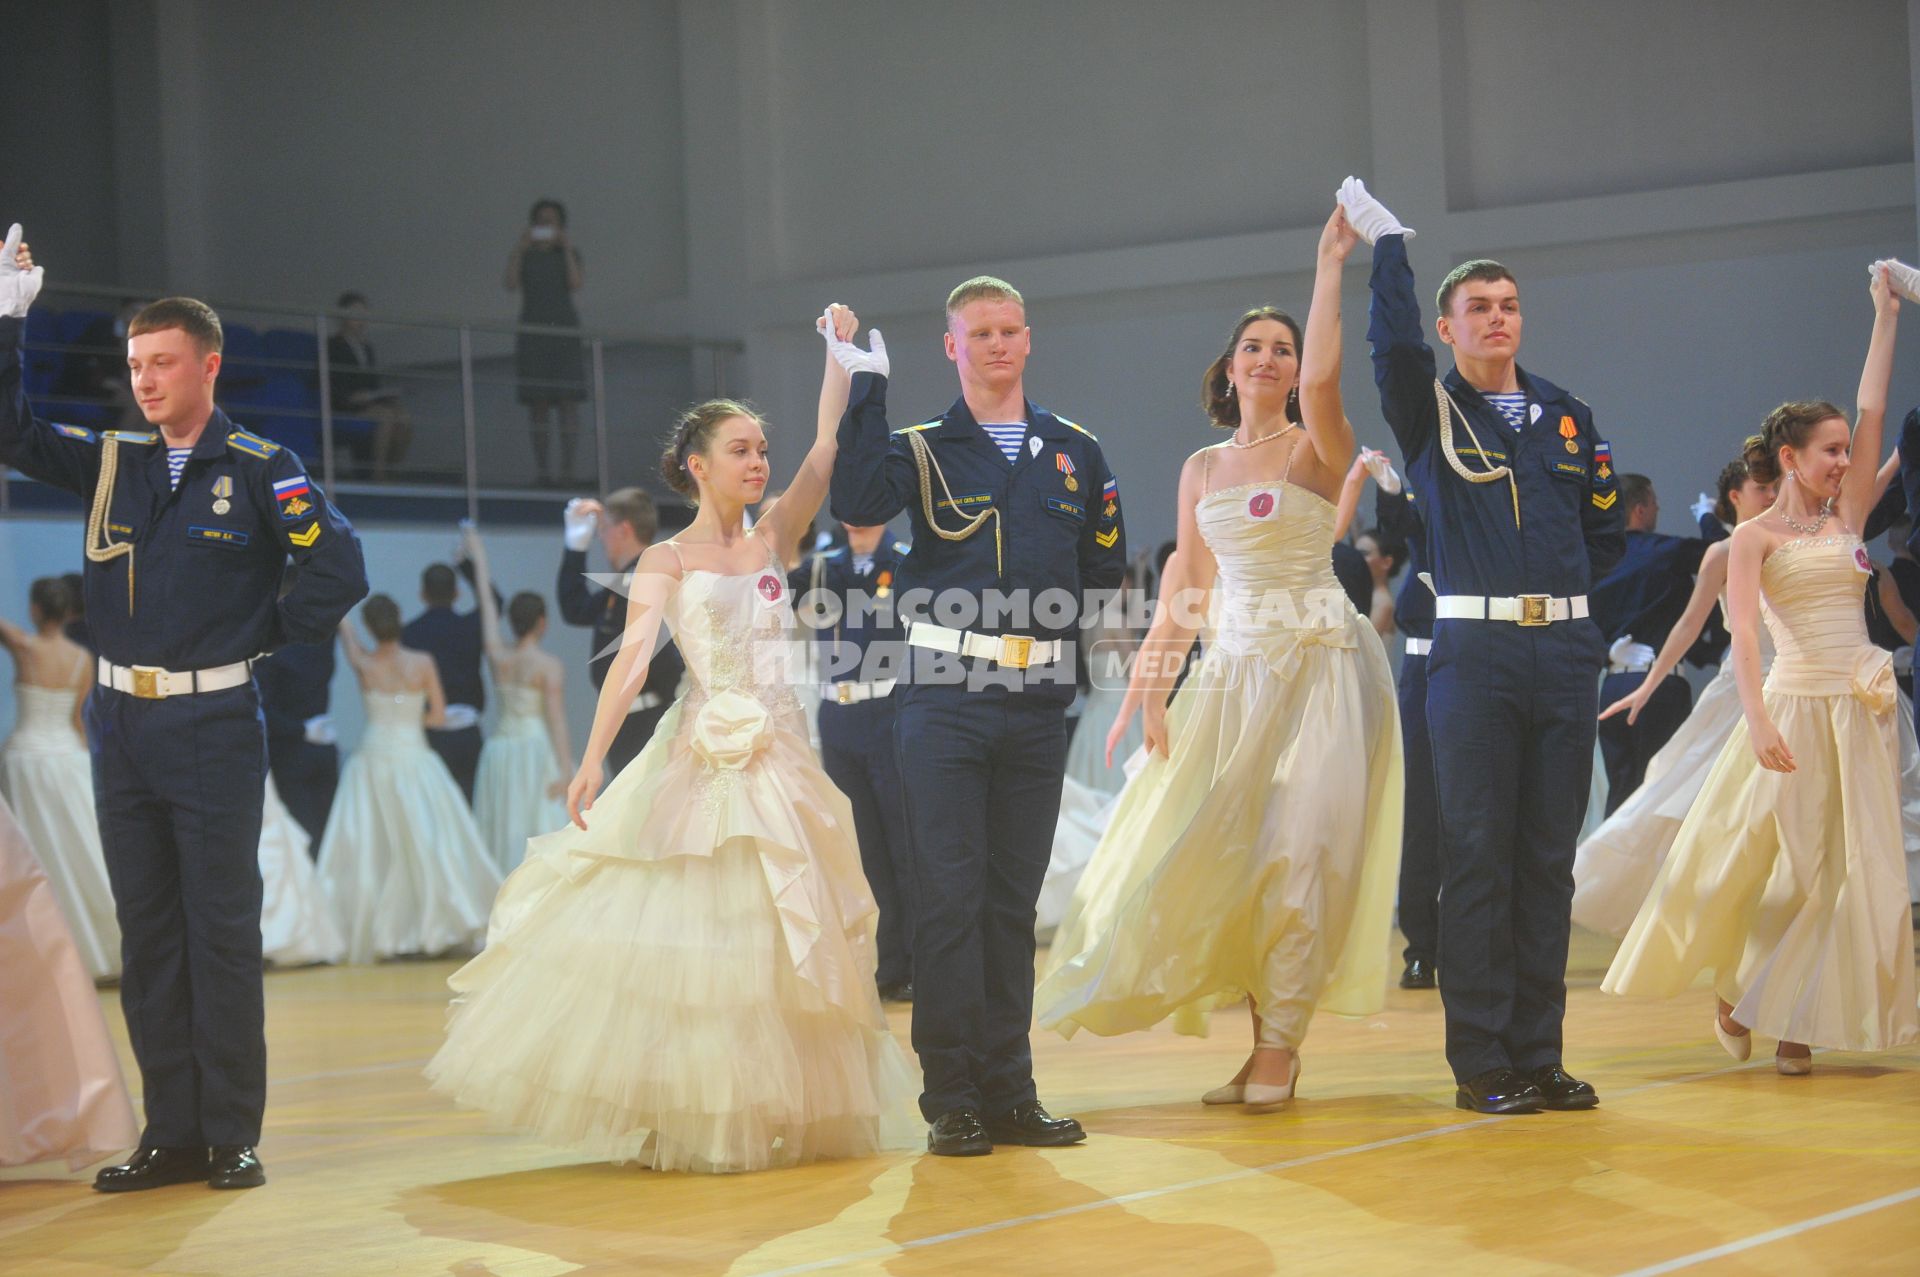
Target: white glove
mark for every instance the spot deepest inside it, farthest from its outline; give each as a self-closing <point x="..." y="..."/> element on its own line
<point x="318" y="730"/>
<point x="1368" y="215"/>
<point x="18" y="287"/>
<point x="1381" y="468"/>
<point x="1703" y="505"/>
<point x="1904" y="278"/>
<point x="1626" y="653"/>
<point x="854" y="359"/>
<point x="579" y="524"/>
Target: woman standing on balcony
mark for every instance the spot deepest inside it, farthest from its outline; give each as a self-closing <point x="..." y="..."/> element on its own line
<point x="544" y="268"/>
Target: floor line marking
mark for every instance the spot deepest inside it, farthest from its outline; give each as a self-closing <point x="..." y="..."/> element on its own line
<point x="1775" y="1234"/>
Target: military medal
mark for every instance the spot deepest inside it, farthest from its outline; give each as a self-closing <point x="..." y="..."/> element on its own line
<point x="222" y="489"/>
<point x="884" y="585"/>
<point x="1064" y="464"/>
<point x="1570" y="433"/>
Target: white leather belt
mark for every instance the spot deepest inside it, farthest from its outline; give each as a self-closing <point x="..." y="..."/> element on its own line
<point x="1015" y="651"/>
<point x="851" y="693"/>
<point x="1419" y="646"/>
<point x="1523" y="609"/>
<point x="150" y="683"/>
<point x="646" y="701"/>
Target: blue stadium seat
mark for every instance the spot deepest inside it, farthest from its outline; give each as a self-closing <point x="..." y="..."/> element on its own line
<point x="43" y="363"/>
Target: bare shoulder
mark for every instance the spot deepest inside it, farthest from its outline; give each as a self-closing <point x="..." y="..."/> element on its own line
<point x="662" y="558"/>
<point x="1754" y="537"/>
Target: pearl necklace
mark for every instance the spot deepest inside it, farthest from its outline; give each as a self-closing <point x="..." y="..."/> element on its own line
<point x="1808" y="529"/>
<point x="1265" y="438"/>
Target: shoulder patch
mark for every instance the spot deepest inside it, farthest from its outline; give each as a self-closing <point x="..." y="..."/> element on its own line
<point x="81" y="433"/>
<point x="1074" y="425"/>
<point x="132" y="436"/>
<point x="925" y="425"/>
<point x="251" y="444"/>
<point x="901" y="547"/>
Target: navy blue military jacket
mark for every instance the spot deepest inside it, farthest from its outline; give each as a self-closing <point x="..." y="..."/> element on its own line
<point x="208" y="556"/>
<point x="584" y="603"/>
<point x="1648" y="588"/>
<point x="1060" y="526"/>
<point x="1413" y="605"/>
<point x="294" y="686"/>
<point x="1570" y="530"/>
<point x="453" y="640"/>
<point x="863" y="616"/>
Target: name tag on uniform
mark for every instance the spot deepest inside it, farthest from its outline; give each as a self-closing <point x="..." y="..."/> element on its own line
<point x="1067" y="508"/>
<point x="1573" y="469"/>
<point x="966" y="501"/>
<point x="219" y="536"/>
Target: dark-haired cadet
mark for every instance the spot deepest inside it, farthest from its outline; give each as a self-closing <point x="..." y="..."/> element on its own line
<point x="1010" y="505"/>
<point x="1521" y="506"/>
<point x="189" y="530"/>
<point x="1636" y="605"/>
<point x="453" y="640"/>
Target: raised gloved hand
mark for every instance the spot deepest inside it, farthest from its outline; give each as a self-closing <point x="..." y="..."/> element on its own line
<point x="1368" y="215"/>
<point x="19" y="278"/>
<point x="1703" y="505"/>
<point x="1381" y="468"/>
<point x="1626" y="653"/>
<point x="854" y="359"/>
<point x="1904" y="278"/>
<point x="579" y="518"/>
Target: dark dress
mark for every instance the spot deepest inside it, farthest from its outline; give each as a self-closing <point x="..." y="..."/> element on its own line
<point x="550" y="368"/>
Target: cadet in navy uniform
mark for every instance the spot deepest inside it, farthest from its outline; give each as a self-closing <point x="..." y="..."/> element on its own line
<point x="1635" y="605"/>
<point x="188" y="533"/>
<point x="452" y="639"/>
<point x="1419" y="906"/>
<point x="627" y="522"/>
<point x="846" y="595"/>
<point x="1520" y="503"/>
<point x="295" y="695"/>
<point x="1009" y="504"/>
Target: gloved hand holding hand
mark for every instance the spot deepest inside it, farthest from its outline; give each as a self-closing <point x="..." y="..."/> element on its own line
<point x="1381" y="468"/>
<point x="851" y="357"/>
<point x="1904" y="278"/>
<point x="1703" y="505"/>
<point x="20" y="279"/>
<point x="1369" y="216"/>
<point x="580" y="517"/>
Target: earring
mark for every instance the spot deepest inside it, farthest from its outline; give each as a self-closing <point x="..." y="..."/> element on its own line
<point x="1230" y="388"/>
<point x="1293" y="395"/>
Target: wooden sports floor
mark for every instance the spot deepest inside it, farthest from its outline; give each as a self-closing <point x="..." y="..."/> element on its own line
<point x="1691" y="1164"/>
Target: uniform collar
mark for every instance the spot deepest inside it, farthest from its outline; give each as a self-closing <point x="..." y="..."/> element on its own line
<point x="212" y="443"/>
<point x="1538" y="389"/>
<point x="958" y="422"/>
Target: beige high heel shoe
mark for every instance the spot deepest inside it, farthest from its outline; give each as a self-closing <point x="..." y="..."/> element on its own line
<point x="1792" y="1065"/>
<point x="1231" y="1093"/>
<point x="1738" y="1045"/>
<point x="1262" y="1099"/>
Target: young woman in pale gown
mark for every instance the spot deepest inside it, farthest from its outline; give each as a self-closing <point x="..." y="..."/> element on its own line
<point x="401" y="857"/>
<point x="1787" y="879"/>
<point x="46" y="772"/>
<point x="685" y="975"/>
<point x="522" y="777"/>
<point x="1255" y="855"/>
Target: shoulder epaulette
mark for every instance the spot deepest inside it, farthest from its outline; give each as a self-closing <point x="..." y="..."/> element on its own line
<point x="901" y="547"/>
<point x="132" y="436"/>
<point x="81" y="433"/>
<point x="834" y="553"/>
<point x="1074" y="425"/>
<point x="925" y="425"/>
<point x="251" y="444"/>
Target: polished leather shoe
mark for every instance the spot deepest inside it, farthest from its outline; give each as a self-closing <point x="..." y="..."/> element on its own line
<point x="235" y="1166"/>
<point x="153" y="1168"/>
<point x="1499" y="1091"/>
<point x="959" y="1133"/>
<point x="1029" y="1123"/>
<point x="1561" y="1090"/>
<point x="902" y="992"/>
<point x="1418" y="975"/>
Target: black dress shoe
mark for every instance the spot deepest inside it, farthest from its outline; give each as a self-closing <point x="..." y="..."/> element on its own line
<point x="1562" y="1090"/>
<point x="901" y="992"/>
<point x="153" y="1168"/>
<point x="1418" y="975"/>
<point x="1029" y="1123"/>
<point x="1499" y="1091"/>
<point x="959" y="1133"/>
<point x="235" y="1166"/>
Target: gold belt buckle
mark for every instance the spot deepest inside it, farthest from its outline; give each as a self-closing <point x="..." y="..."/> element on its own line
<point x="843" y="693"/>
<point x="1534" y="609"/>
<point x="1015" y="651"/>
<point x="146" y="683"/>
